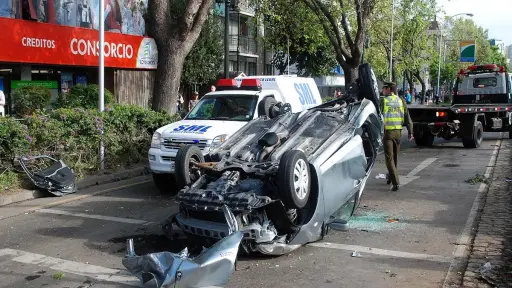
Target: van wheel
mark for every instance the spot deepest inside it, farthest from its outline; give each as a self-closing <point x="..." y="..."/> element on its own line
<point x="475" y="140"/>
<point x="166" y="183"/>
<point x="294" y="179"/>
<point x="184" y="171"/>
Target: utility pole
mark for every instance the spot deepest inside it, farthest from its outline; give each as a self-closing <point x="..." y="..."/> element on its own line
<point x="101" y="76"/>
<point x="226" y="39"/>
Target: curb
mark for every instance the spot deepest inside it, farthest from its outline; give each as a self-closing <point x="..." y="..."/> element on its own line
<point x="85" y="183"/>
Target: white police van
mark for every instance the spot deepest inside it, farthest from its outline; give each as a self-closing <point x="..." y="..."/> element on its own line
<point x="221" y="113"/>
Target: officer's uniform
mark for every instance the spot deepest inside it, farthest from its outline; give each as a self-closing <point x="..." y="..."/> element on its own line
<point x="396" y="114"/>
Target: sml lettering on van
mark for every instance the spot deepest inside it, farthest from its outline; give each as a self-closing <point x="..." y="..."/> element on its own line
<point x="305" y="94"/>
<point x="199" y="129"/>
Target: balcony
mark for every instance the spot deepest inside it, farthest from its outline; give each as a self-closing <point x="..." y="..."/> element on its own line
<point x="244" y="7"/>
<point x="247" y="44"/>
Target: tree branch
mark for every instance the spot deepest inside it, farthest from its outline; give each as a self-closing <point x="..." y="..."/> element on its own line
<point x="344" y="24"/>
<point x="334" y="37"/>
<point x="201" y="16"/>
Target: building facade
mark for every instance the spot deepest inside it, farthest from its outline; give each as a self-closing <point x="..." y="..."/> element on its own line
<point x="55" y="43"/>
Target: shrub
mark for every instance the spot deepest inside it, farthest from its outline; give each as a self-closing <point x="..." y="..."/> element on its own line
<point x="74" y="134"/>
<point x="84" y="97"/>
<point x="327" y="99"/>
<point x="27" y="100"/>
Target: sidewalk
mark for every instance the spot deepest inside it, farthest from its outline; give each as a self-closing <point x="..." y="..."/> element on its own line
<point x="493" y="240"/>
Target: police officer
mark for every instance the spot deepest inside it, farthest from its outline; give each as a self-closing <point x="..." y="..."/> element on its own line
<point x="396" y="114"/>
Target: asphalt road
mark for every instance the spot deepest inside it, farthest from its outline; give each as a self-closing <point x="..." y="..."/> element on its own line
<point x="79" y="240"/>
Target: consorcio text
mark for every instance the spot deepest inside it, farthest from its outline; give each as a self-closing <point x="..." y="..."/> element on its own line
<point x="87" y="47"/>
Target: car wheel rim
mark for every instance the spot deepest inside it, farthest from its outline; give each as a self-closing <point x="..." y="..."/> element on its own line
<point x="300" y="179"/>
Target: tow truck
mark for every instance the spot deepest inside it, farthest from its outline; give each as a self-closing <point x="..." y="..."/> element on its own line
<point x="481" y="102"/>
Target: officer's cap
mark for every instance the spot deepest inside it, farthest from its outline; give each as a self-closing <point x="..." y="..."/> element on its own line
<point x="389" y="84"/>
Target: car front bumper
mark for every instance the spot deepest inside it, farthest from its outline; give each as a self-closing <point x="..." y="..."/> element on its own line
<point x="161" y="162"/>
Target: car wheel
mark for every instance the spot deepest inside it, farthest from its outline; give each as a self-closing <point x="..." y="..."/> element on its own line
<point x="369" y="86"/>
<point x="166" y="183"/>
<point x="184" y="172"/>
<point x="294" y="179"/>
<point x="264" y="106"/>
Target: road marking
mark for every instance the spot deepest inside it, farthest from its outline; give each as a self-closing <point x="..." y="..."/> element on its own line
<point x="464" y="237"/>
<point x="95" y="272"/>
<point x="383" y="252"/>
<point x="81" y="197"/>
<point x="100" y="217"/>
<point x="412" y="175"/>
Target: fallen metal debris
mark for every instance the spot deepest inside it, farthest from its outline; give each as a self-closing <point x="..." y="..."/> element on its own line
<point x="212" y="268"/>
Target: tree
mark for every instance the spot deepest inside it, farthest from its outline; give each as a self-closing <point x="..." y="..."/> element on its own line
<point x="175" y="26"/>
<point x="291" y="22"/>
<point x="202" y="63"/>
<point x="415" y="44"/>
<point x="344" y="22"/>
<point x="467" y="29"/>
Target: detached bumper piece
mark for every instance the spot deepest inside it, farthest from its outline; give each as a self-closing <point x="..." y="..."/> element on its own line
<point x="212" y="268"/>
<point x="58" y="178"/>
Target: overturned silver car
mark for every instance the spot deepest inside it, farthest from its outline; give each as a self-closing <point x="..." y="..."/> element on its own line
<point x="287" y="176"/>
<point x="283" y="180"/>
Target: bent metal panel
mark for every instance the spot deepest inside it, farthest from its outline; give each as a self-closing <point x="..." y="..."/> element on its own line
<point x="42" y="43"/>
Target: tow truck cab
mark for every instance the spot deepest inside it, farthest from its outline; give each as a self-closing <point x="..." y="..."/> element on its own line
<point x="219" y="114"/>
<point x="482" y="84"/>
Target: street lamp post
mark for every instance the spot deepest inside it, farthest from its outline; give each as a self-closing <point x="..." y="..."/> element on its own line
<point x="391" y="42"/>
<point x="226" y="39"/>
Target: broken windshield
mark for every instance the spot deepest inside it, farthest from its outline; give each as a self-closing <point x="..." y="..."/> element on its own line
<point x="224" y="107"/>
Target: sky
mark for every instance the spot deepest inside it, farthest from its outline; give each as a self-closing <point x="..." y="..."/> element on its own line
<point x="494" y="15"/>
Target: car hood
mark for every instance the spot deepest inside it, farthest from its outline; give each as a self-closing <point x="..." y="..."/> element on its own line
<point x="200" y="129"/>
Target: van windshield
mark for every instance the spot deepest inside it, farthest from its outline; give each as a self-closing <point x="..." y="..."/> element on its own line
<point x="224" y="107"/>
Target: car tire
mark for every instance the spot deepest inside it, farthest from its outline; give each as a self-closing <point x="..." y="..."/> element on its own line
<point x="476" y="138"/>
<point x="294" y="179"/>
<point x="264" y="106"/>
<point x="166" y="183"/>
<point x="368" y="84"/>
<point x="182" y="165"/>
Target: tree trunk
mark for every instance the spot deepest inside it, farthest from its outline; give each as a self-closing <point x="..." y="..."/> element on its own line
<point x="349" y="73"/>
<point x="174" y="37"/>
<point x="168" y="78"/>
<point x="410" y="79"/>
<point x="423" y="86"/>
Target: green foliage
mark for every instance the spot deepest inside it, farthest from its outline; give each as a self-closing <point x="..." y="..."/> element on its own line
<point x="27" y="100"/>
<point x="73" y="135"/>
<point x="291" y="22"/>
<point x="448" y="72"/>
<point x="84" y="97"/>
<point x="203" y="62"/>
<point x="8" y="180"/>
<point x="327" y="99"/>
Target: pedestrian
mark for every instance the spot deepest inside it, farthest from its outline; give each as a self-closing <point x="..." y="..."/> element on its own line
<point x="2" y="103"/>
<point x="213" y="88"/>
<point x="179" y="103"/>
<point x="396" y="114"/>
<point x="193" y="101"/>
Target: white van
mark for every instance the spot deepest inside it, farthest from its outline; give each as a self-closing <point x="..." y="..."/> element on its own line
<point x="221" y="113"/>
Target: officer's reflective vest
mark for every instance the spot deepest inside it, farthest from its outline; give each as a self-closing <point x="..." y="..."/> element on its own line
<point x="393" y="112"/>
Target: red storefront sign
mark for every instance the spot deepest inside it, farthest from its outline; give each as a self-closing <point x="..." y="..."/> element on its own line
<point x="41" y="43"/>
